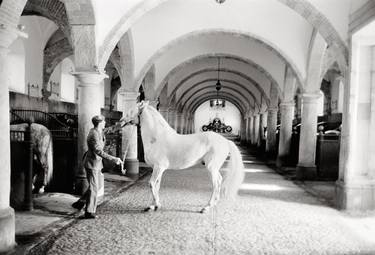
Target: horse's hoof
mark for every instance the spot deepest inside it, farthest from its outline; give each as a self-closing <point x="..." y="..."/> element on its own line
<point x="41" y="190"/>
<point x="151" y="208"/>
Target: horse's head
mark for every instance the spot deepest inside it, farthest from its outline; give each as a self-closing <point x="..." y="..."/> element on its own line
<point x="132" y="115"/>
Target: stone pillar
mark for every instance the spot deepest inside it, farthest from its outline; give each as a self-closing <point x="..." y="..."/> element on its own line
<point x="164" y="112"/>
<point x="271" y="133"/>
<point x="285" y="133"/>
<point x="256" y="129"/>
<point x="90" y="95"/>
<point x="355" y="187"/>
<point x="178" y="122"/>
<point x="251" y="130"/>
<point x="7" y="221"/>
<point x="182" y="123"/>
<point x="188" y="125"/>
<point x="306" y="168"/>
<point x="192" y="125"/>
<point x="247" y="129"/>
<point x="262" y="125"/>
<point x="172" y="115"/>
<point x="243" y="131"/>
<point x="129" y="144"/>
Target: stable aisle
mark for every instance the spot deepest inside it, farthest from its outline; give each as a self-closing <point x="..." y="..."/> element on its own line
<point x="271" y="216"/>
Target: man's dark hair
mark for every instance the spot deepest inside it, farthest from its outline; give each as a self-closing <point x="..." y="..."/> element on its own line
<point x="97" y="119"/>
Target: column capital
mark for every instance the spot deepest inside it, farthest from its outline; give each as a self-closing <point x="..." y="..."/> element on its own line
<point x="87" y="79"/>
<point x="8" y="35"/>
<point x="128" y="95"/>
<point x="287" y="104"/>
<point x="163" y="108"/>
<point x="310" y="97"/>
<point x="273" y="109"/>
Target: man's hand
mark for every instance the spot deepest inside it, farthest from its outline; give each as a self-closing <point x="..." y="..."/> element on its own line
<point x="118" y="161"/>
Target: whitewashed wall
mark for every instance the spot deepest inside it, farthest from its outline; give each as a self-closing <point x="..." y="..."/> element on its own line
<point x="230" y="115"/>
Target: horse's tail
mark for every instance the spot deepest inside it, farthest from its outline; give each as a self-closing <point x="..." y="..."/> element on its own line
<point x="235" y="175"/>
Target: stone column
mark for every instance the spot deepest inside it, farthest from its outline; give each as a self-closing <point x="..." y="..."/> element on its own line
<point x="256" y="129"/>
<point x="285" y="133"/>
<point x="172" y="117"/>
<point x="178" y="121"/>
<point x="243" y="131"/>
<point x="306" y="168"/>
<point x="182" y="123"/>
<point x="130" y="136"/>
<point x="90" y="94"/>
<point x="271" y="133"/>
<point x="188" y="125"/>
<point x="247" y="129"/>
<point x="355" y="187"/>
<point x="164" y="111"/>
<point x="251" y="129"/>
<point x="262" y="125"/>
<point x="7" y="221"/>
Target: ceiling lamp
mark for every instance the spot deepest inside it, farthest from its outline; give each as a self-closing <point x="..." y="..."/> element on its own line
<point x="218" y="84"/>
<point x="220" y="1"/>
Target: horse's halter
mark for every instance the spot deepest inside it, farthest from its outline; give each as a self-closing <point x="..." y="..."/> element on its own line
<point x="131" y="122"/>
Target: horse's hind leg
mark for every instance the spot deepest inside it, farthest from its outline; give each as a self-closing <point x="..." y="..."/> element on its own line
<point x="216" y="184"/>
<point x="155" y="180"/>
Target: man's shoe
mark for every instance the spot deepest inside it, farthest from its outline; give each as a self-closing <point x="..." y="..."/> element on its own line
<point x="78" y="205"/>
<point x="89" y="215"/>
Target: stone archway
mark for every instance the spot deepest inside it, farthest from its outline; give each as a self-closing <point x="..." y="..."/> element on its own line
<point x="308" y="11"/>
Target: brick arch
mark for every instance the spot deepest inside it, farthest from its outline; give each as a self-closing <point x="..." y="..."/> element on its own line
<point x="57" y="49"/>
<point x="223" y="70"/>
<point x="53" y="10"/>
<point x="193" y="106"/>
<point x="80" y="12"/>
<point x="305" y="9"/>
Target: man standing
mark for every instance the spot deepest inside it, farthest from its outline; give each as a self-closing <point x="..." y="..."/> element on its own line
<point x="92" y="162"/>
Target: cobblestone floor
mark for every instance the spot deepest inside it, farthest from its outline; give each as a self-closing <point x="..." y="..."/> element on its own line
<point x="271" y="216"/>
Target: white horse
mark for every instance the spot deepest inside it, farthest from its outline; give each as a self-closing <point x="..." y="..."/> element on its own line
<point x="42" y="148"/>
<point x="165" y="149"/>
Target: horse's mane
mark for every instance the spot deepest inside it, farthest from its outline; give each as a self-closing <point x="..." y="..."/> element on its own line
<point x="159" y="119"/>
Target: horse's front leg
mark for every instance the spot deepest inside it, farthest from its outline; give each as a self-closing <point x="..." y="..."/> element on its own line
<point x="155" y="186"/>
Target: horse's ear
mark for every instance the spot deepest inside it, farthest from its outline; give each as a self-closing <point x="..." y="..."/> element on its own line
<point x="143" y="104"/>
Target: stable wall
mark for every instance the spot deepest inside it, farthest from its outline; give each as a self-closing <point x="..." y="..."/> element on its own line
<point x="230" y="115"/>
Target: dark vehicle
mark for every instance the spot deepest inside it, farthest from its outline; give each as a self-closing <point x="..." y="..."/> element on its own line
<point x="217" y="126"/>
